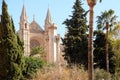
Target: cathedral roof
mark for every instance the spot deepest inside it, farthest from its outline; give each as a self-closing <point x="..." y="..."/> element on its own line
<point x="35" y="28"/>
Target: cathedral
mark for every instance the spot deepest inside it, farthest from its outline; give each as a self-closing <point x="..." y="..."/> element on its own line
<point x="33" y="35"/>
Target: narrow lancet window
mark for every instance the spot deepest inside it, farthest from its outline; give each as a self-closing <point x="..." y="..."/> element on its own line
<point x="25" y="25"/>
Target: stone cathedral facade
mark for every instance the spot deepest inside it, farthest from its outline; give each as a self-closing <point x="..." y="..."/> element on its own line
<point x="33" y="35"/>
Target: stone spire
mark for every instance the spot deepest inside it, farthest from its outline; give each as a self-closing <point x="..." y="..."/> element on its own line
<point x="23" y="14"/>
<point x="48" y="20"/>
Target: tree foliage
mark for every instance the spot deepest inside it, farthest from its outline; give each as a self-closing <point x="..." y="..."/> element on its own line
<point x="99" y="43"/>
<point x="11" y="49"/>
<point x="37" y="50"/>
<point x="99" y="52"/>
<point x="114" y="36"/>
<point x="116" y="49"/>
<point x="32" y="65"/>
<point x="106" y="16"/>
<point x="75" y="40"/>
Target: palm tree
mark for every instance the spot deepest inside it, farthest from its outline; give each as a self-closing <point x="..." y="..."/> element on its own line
<point x="106" y="21"/>
<point x="106" y="17"/>
<point x="91" y="4"/>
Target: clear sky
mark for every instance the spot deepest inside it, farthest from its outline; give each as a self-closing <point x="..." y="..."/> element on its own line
<point x="60" y="10"/>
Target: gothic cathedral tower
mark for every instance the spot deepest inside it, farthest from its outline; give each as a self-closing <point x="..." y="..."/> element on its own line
<point x="51" y="29"/>
<point x="24" y="31"/>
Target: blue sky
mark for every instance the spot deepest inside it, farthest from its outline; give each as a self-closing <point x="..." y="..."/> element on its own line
<point x="60" y="10"/>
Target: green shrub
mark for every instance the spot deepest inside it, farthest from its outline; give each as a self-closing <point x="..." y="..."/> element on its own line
<point x="32" y="64"/>
<point x="37" y="50"/>
<point x="101" y="74"/>
<point x="116" y="76"/>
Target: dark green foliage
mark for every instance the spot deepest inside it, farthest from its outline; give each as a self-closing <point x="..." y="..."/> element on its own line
<point x="116" y="76"/>
<point x="116" y="49"/>
<point x="99" y="52"/>
<point x="1" y="29"/>
<point x="32" y="64"/>
<point x="11" y="49"/>
<point x="75" y="40"/>
<point x="13" y="27"/>
<point x="100" y="41"/>
<point x="37" y="50"/>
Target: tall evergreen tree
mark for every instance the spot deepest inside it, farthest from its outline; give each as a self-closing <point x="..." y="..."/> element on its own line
<point x="0" y="29"/>
<point x="75" y="40"/>
<point x="11" y="49"/>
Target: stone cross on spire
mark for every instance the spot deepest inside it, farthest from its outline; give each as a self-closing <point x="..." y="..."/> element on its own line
<point x="33" y="17"/>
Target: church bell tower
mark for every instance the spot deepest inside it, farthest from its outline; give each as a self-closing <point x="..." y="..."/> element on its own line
<point x="24" y="31"/>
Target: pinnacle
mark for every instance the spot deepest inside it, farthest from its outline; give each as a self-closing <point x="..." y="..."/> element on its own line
<point x="48" y="19"/>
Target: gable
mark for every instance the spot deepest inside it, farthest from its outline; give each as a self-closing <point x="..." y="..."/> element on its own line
<point x="35" y="28"/>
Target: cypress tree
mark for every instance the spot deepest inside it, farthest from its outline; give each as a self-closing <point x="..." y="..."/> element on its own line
<point x="11" y="49"/>
<point x="75" y="40"/>
<point x="13" y="27"/>
<point x="0" y="28"/>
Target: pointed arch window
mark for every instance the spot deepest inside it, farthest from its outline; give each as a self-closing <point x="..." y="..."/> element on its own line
<point x="25" y="25"/>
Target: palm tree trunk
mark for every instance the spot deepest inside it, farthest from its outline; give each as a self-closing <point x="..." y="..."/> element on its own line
<point x="91" y="4"/>
<point x="90" y="46"/>
<point x="107" y="59"/>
